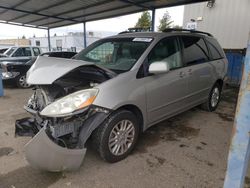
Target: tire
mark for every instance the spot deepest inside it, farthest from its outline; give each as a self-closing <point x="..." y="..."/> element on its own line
<point x="106" y="142"/>
<point x="21" y="82"/>
<point x="213" y="99"/>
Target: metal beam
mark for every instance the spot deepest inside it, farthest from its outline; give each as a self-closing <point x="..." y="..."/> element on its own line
<point x="142" y="4"/>
<point x="90" y="14"/>
<point x="23" y="25"/>
<point x="106" y="17"/>
<point x="99" y="12"/>
<point x="74" y="10"/>
<point x="1" y="84"/>
<point x="84" y="34"/>
<point x="178" y="3"/>
<point x="137" y="4"/>
<point x="153" y="20"/>
<point x="49" y="44"/>
<point x="16" y="5"/>
<point x="103" y="11"/>
<point x="38" y="14"/>
<point x="240" y="145"/>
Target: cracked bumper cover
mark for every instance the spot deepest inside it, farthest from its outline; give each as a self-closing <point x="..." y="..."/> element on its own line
<point x="42" y="153"/>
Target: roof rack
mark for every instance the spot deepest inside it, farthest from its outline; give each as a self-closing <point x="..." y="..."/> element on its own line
<point x="186" y="30"/>
<point x="136" y="29"/>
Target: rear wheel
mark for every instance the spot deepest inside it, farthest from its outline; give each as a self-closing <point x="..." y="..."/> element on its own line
<point x="213" y="98"/>
<point x="116" y="138"/>
<point x="21" y="82"/>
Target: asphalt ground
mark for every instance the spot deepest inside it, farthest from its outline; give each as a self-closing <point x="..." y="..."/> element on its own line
<point x="187" y="151"/>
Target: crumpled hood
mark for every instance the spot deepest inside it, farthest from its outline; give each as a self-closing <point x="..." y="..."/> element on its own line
<point x="46" y="70"/>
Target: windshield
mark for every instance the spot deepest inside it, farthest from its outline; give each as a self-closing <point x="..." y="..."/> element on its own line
<point x="118" y="55"/>
<point x="9" y="51"/>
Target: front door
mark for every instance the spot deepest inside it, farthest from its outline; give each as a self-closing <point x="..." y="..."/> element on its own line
<point x="166" y="92"/>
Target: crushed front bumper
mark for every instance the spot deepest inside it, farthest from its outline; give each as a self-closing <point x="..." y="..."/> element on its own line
<point x="42" y="153"/>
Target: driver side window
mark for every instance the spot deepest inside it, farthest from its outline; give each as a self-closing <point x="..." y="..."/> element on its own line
<point x="168" y="51"/>
<point x="102" y="53"/>
<point x="22" y="52"/>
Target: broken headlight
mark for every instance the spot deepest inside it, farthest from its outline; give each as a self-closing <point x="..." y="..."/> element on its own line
<point x="70" y="103"/>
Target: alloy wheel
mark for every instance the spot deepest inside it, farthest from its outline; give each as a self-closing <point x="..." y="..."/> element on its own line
<point x="121" y="137"/>
<point x="215" y="97"/>
<point x="23" y="83"/>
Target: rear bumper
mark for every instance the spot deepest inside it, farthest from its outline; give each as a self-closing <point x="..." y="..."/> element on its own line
<point x="42" y="153"/>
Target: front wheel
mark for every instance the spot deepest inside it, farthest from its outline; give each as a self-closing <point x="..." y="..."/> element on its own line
<point x="116" y="138"/>
<point x="213" y="99"/>
<point x="21" y="82"/>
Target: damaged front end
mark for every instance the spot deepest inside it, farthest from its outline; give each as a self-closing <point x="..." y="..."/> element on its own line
<point x="60" y="144"/>
<point x="63" y="116"/>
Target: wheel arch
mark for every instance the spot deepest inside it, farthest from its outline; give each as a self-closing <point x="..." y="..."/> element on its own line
<point x="136" y="111"/>
<point x="220" y="82"/>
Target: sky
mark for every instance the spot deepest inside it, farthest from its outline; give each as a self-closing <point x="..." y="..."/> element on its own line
<point x="116" y="25"/>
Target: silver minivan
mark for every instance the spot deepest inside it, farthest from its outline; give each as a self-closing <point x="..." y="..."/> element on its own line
<point x="115" y="89"/>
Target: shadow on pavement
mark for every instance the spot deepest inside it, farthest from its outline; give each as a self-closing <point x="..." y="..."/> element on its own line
<point x="25" y="177"/>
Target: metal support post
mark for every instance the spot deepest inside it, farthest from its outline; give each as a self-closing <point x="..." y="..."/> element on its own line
<point x="1" y="84"/>
<point x="49" y="45"/>
<point x="84" y="35"/>
<point x="153" y="20"/>
<point x="240" y="145"/>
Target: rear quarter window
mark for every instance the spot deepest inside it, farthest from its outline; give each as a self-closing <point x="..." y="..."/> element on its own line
<point x="216" y="51"/>
<point x="194" y="50"/>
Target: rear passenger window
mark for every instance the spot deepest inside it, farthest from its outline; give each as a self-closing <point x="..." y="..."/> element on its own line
<point x="215" y="49"/>
<point x="195" y="50"/>
<point x="168" y="51"/>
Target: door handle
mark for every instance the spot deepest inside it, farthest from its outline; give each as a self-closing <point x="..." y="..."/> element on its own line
<point x="190" y="71"/>
<point x="182" y="74"/>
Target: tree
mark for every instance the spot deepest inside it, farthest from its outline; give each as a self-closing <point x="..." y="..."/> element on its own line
<point x="144" y="21"/>
<point x="165" y="22"/>
<point x="23" y="37"/>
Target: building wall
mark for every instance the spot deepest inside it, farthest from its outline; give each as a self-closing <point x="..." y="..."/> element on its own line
<point x="14" y="42"/>
<point x="66" y="42"/>
<point x="228" y="21"/>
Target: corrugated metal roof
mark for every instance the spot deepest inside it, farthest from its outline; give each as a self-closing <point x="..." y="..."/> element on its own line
<point x="56" y="13"/>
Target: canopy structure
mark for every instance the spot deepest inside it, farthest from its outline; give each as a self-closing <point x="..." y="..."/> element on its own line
<point x="47" y="14"/>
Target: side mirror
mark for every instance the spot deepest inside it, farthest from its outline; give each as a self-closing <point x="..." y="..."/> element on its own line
<point x="159" y="67"/>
